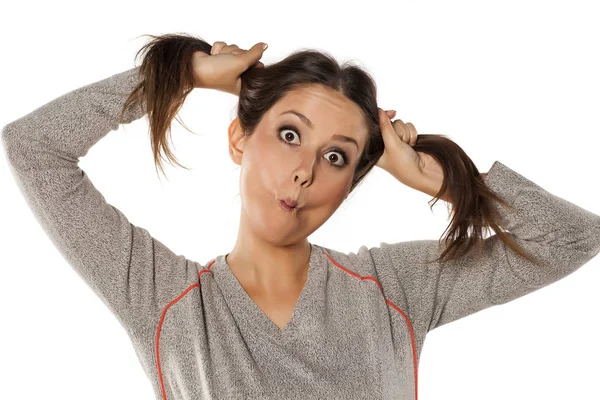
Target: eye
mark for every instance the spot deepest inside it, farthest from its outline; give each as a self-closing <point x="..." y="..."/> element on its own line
<point x="288" y="128"/>
<point x="288" y="136"/>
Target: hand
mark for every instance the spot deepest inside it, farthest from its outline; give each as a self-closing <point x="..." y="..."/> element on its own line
<point x="414" y="169"/>
<point x="221" y="69"/>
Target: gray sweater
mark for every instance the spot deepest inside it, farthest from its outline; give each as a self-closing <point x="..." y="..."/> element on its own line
<point x="360" y="322"/>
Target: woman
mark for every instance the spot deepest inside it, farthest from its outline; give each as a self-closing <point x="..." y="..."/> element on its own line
<point x="279" y="317"/>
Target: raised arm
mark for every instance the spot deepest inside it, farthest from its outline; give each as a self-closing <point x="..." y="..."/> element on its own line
<point x="134" y="274"/>
<point x="563" y="235"/>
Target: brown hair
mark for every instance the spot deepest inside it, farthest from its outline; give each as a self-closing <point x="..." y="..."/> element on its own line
<point x="166" y="78"/>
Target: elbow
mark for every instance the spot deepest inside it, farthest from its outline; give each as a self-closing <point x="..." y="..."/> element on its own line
<point x="9" y="132"/>
<point x="586" y="246"/>
<point x="8" y="135"/>
<point x="10" y="142"/>
<point x="594" y="237"/>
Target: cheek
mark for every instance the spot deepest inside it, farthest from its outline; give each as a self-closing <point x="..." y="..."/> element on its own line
<point x="262" y="167"/>
<point x="335" y="193"/>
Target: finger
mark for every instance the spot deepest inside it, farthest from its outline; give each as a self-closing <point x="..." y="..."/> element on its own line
<point x="413" y="133"/>
<point x="253" y="54"/>
<point x="401" y="130"/>
<point x="216" y="47"/>
<point x="230" y="48"/>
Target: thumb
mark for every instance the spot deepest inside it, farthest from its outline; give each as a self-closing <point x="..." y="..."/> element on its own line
<point x="387" y="130"/>
<point x="255" y="53"/>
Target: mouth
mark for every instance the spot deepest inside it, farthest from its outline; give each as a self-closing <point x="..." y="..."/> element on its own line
<point x="286" y="207"/>
<point x="289" y="205"/>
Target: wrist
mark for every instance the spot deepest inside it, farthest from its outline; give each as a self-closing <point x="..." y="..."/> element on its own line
<point x="433" y="178"/>
<point x="431" y="186"/>
<point x="197" y="57"/>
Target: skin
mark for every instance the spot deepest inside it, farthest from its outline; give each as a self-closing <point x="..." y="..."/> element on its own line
<point x="271" y="254"/>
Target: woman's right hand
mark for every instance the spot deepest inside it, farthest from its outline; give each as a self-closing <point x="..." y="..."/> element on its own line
<point x="221" y="69"/>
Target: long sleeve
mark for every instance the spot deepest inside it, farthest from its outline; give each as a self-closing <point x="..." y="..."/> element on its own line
<point x="134" y="274"/>
<point x="558" y="232"/>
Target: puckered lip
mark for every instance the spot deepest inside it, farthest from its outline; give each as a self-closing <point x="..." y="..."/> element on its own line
<point x="290" y="202"/>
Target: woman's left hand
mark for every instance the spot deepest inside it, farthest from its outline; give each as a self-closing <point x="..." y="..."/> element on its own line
<point x="417" y="170"/>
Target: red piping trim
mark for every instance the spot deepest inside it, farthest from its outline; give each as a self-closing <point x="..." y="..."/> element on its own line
<point x="412" y="335"/>
<point x="162" y="317"/>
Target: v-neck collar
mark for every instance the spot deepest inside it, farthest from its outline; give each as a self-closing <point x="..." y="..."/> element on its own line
<point x="246" y="312"/>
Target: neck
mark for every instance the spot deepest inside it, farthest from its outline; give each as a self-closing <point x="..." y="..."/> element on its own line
<point x="269" y="267"/>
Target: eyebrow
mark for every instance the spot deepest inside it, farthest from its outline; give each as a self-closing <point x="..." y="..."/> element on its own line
<point x="308" y="122"/>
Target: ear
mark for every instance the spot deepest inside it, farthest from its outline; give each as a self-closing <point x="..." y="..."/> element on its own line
<point x="236" y="141"/>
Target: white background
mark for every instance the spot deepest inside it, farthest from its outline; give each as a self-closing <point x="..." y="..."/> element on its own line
<point x="515" y="81"/>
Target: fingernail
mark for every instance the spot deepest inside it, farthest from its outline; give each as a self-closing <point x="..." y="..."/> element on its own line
<point x="265" y="46"/>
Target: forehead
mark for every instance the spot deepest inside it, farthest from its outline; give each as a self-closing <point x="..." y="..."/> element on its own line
<point x="326" y="108"/>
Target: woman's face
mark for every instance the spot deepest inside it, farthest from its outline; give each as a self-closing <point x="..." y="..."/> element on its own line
<point x="286" y="157"/>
